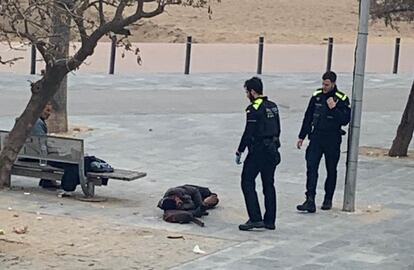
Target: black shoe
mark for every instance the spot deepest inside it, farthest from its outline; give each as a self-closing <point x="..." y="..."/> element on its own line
<point x="270" y="226"/>
<point x="308" y="205"/>
<point x="251" y="225"/>
<point x="326" y="205"/>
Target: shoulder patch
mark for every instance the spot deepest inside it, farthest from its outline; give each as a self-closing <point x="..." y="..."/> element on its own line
<point x="256" y="104"/>
<point x="317" y="92"/>
<point x="341" y="95"/>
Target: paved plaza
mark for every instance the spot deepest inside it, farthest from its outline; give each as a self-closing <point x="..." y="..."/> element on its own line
<point x="185" y="129"/>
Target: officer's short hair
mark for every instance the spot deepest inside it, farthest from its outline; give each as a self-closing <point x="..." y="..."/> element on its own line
<point x="329" y="75"/>
<point x="255" y="84"/>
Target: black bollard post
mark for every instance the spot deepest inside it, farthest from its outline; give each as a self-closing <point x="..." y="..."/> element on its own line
<point x="260" y="56"/>
<point x="113" y="53"/>
<point x="330" y="50"/>
<point x="396" y="55"/>
<point x="33" y="60"/>
<point x="188" y="55"/>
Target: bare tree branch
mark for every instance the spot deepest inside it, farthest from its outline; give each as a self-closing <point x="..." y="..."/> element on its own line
<point x="120" y="10"/>
<point x="393" y="12"/>
<point x="155" y="12"/>
<point x="101" y="13"/>
<point x="10" y="61"/>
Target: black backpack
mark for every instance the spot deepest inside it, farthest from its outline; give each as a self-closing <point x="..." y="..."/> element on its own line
<point x="94" y="164"/>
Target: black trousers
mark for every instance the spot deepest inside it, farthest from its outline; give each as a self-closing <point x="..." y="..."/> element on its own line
<point x="330" y="147"/>
<point x="264" y="162"/>
<point x="70" y="178"/>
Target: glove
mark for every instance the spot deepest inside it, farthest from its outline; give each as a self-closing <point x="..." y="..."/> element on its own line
<point x="238" y="157"/>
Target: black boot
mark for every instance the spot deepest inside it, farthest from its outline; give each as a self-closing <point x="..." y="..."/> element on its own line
<point x="251" y="225"/>
<point x="327" y="204"/>
<point x="308" y="205"/>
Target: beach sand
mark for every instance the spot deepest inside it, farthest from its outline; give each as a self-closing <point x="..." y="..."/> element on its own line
<point x="279" y="21"/>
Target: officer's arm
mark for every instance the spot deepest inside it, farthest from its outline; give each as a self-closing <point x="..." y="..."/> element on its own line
<point x="278" y="125"/>
<point x="307" y="120"/>
<point x="342" y="112"/>
<point x="251" y="120"/>
<point x="278" y="129"/>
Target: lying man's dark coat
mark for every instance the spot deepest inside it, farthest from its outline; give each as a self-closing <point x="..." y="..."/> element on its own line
<point x="190" y="195"/>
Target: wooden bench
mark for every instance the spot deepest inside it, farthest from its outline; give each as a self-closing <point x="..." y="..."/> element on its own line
<point x="63" y="150"/>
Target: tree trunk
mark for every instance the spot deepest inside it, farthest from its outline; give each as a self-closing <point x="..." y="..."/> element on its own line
<point x="42" y="91"/>
<point x="405" y="129"/>
<point x="58" y="121"/>
<point x="5" y="170"/>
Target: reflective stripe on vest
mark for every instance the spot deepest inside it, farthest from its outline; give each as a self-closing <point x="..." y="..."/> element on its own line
<point x="256" y="103"/>
<point x="341" y="96"/>
<point x="317" y="92"/>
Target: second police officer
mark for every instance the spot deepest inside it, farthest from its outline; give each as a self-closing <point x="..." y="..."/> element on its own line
<point x="327" y="112"/>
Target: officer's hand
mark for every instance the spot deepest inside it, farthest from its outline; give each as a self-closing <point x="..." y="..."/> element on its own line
<point x="238" y="157"/>
<point x="331" y="103"/>
<point x="299" y="143"/>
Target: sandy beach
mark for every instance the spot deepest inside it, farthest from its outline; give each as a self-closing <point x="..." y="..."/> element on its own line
<point x="279" y="21"/>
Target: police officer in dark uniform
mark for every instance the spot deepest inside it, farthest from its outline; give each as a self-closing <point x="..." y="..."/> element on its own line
<point x="327" y="112"/>
<point x="261" y="137"/>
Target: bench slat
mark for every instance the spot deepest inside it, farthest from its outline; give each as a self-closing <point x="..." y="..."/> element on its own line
<point x="35" y="166"/>
<point x="33" y="172"/>
<point x="118" y="174"/>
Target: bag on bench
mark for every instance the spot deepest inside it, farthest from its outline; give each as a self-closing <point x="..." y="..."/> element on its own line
<point x="181" y="216"/>
<point x="94" y="164"/>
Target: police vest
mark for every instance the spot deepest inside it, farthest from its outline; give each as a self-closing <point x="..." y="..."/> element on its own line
<point x="268" y="122"/>
<point x="323" y="120"/>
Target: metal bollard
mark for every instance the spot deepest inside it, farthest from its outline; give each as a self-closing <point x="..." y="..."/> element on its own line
<point x="330" y="51"/>
<point x="188" y="55"/>
<point x="260" y="56"/>
<point x="113" y="53"/>
<point x="396" y="55"/>
<point x="33" y="60"/>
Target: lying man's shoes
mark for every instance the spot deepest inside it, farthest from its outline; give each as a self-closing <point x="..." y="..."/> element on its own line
<point x="251" y="225"/>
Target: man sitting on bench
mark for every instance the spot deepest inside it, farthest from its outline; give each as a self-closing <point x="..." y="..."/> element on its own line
<point x="70" y="178"/>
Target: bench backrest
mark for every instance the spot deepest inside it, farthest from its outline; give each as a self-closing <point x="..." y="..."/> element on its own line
<point x="66" y="150"/>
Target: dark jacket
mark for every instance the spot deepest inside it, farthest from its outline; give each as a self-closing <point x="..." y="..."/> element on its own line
<point x="320" y="120"/>
<point x="262" y="124"/>
<point x="190" y="195"/>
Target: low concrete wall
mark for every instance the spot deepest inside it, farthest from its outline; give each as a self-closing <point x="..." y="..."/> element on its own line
<point x="170" y="57"/>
